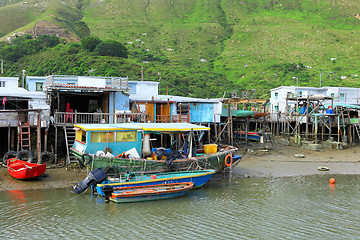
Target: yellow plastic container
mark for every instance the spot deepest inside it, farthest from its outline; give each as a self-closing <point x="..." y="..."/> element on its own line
<point x="210" y="148"/>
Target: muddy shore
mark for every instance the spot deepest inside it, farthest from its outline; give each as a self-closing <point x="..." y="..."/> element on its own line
<point x="280" y="161"/>
<point x="288" y="161"/>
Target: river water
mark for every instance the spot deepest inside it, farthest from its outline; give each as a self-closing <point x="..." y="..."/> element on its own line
<point x="305" y="207"/>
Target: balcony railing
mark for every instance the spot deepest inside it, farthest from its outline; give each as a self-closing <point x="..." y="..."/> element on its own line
<point x="14" y="118"/>
<point x="70" y="118"/>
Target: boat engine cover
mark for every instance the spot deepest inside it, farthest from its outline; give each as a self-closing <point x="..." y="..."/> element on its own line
<point x="94" y="177"/>
<point x="98" y="175"/>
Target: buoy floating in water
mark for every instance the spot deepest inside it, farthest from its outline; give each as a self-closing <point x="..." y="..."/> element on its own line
<point x="332" y="181"/>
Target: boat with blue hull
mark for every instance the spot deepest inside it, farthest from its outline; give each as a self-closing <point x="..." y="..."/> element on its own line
<point x="199" y="178"/>
<point x="150" y="193"/>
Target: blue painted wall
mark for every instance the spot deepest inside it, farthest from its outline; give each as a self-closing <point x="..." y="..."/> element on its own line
<point x="31" y="82"/>
<point x="116" y="147"/>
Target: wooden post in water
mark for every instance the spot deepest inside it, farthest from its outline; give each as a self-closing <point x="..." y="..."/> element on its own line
<point x="229" y="120"/>
<point x="56" y="139"/>
<point x="307" y="119"/>
<point x="39" y="137"/>
<point x="316" y="129"/>
<point x="338" y="125"/>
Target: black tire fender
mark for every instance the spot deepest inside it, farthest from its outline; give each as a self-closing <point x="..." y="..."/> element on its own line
<point x="23" y="153"/>
<point x="8" y="155"/>
<point x="86" y="158"/>
<point x="47" y="157"/>
<point x="111" y="171"/>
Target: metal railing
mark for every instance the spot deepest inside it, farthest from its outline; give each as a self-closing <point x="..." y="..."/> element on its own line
<point x="110" y="82"/>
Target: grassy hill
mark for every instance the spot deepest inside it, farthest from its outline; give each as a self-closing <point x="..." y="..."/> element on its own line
<point x="206" y="47"/>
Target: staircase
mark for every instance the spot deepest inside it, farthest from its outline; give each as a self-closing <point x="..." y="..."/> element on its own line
<point x="69" y="133"/>
<point x="25" y="142"/>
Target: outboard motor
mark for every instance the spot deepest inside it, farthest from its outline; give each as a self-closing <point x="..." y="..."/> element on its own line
<point x="94" y="177"/>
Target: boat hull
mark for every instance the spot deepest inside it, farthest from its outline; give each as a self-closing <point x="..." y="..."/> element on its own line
<point x="24" y="170"/>
<point x="150" y="193"/>
<point x="214" y="161"/>
<point x="199" y="178"/>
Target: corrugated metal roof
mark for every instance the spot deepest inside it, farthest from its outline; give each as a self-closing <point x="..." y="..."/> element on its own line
<point x="20" y="92"/>
<point x="165" y="98"/>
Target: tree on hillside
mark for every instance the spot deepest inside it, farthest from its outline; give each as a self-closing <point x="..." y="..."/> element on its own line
<point x="26" y="45"/>
<point x="90" y="43"/>
<point x="48" y="41"/>
<point x="111" y="48"/>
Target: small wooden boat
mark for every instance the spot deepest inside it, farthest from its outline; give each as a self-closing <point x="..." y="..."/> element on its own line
<point x="199" y="178"/>
<point x="151" y="192"/>
<point x="24" y="170"/>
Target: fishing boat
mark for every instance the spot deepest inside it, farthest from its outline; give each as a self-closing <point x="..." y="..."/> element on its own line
<point x="126" y="147"/>
<point x="253" y="136"/>
<point x="199" y="178"/>
<point x="151" y="192"/>
<point x="24" y="170"/>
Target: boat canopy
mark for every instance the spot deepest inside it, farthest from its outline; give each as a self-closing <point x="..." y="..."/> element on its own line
<point x="150" y="127"/>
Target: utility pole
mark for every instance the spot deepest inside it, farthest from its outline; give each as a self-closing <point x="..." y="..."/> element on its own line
<point x="142" y="73"/>
<point x="2" y="67"/>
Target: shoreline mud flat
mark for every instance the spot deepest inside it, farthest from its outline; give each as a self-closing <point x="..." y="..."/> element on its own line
<point x="289" y="161"/>
<point x="280" y="161"/>
<point x="52" y="179"/>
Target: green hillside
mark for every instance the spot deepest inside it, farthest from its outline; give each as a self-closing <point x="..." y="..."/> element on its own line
<point x="202" y="47"/>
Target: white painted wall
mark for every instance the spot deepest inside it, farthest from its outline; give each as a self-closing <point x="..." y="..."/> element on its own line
<point x="10" y="82"/>
<point x="340" y="95"/>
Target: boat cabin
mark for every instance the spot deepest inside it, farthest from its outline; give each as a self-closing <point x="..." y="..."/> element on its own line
<point x="138" y="140"/>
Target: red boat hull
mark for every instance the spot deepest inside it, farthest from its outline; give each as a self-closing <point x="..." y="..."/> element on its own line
<point x="24" y="170"/>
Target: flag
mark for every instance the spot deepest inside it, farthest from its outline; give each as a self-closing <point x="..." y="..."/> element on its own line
<point x="4" y="100"/>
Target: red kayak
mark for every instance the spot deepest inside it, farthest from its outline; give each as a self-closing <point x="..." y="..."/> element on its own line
<point x="24" y="170"/>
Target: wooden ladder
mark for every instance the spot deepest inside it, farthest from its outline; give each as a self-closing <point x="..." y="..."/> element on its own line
<point x="25" y="142"/>
<point x="70" y="136"/>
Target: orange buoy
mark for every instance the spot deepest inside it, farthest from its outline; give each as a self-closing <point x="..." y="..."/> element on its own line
<point x="228" y="164"/>
<point x="332" y="181"/>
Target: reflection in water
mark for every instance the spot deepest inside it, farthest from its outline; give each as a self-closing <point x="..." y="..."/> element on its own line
<point x="260" y="208"/>
<point x="17" y="196"/>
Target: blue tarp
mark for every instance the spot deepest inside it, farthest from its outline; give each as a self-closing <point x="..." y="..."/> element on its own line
<point x="342" y="105"/>
<point x="237" y="113"/>
<point x="201" y="112"/>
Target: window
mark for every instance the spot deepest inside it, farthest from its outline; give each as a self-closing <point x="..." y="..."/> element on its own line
<point x="332" y="95"/>
<point x="276" y="95"/>
<point x="276" y="108"/>
<point x="126" y="136"/>
<point x="300" y="94"/>
<point x="39" y="86"/>
<point x="342" y="96"/>
<point x="81" y="136"/>
<point x="2" y="83"/>
<point x="98" y="137"/>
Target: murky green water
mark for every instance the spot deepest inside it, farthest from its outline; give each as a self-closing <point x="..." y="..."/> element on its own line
<point x="245" y="208"/>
